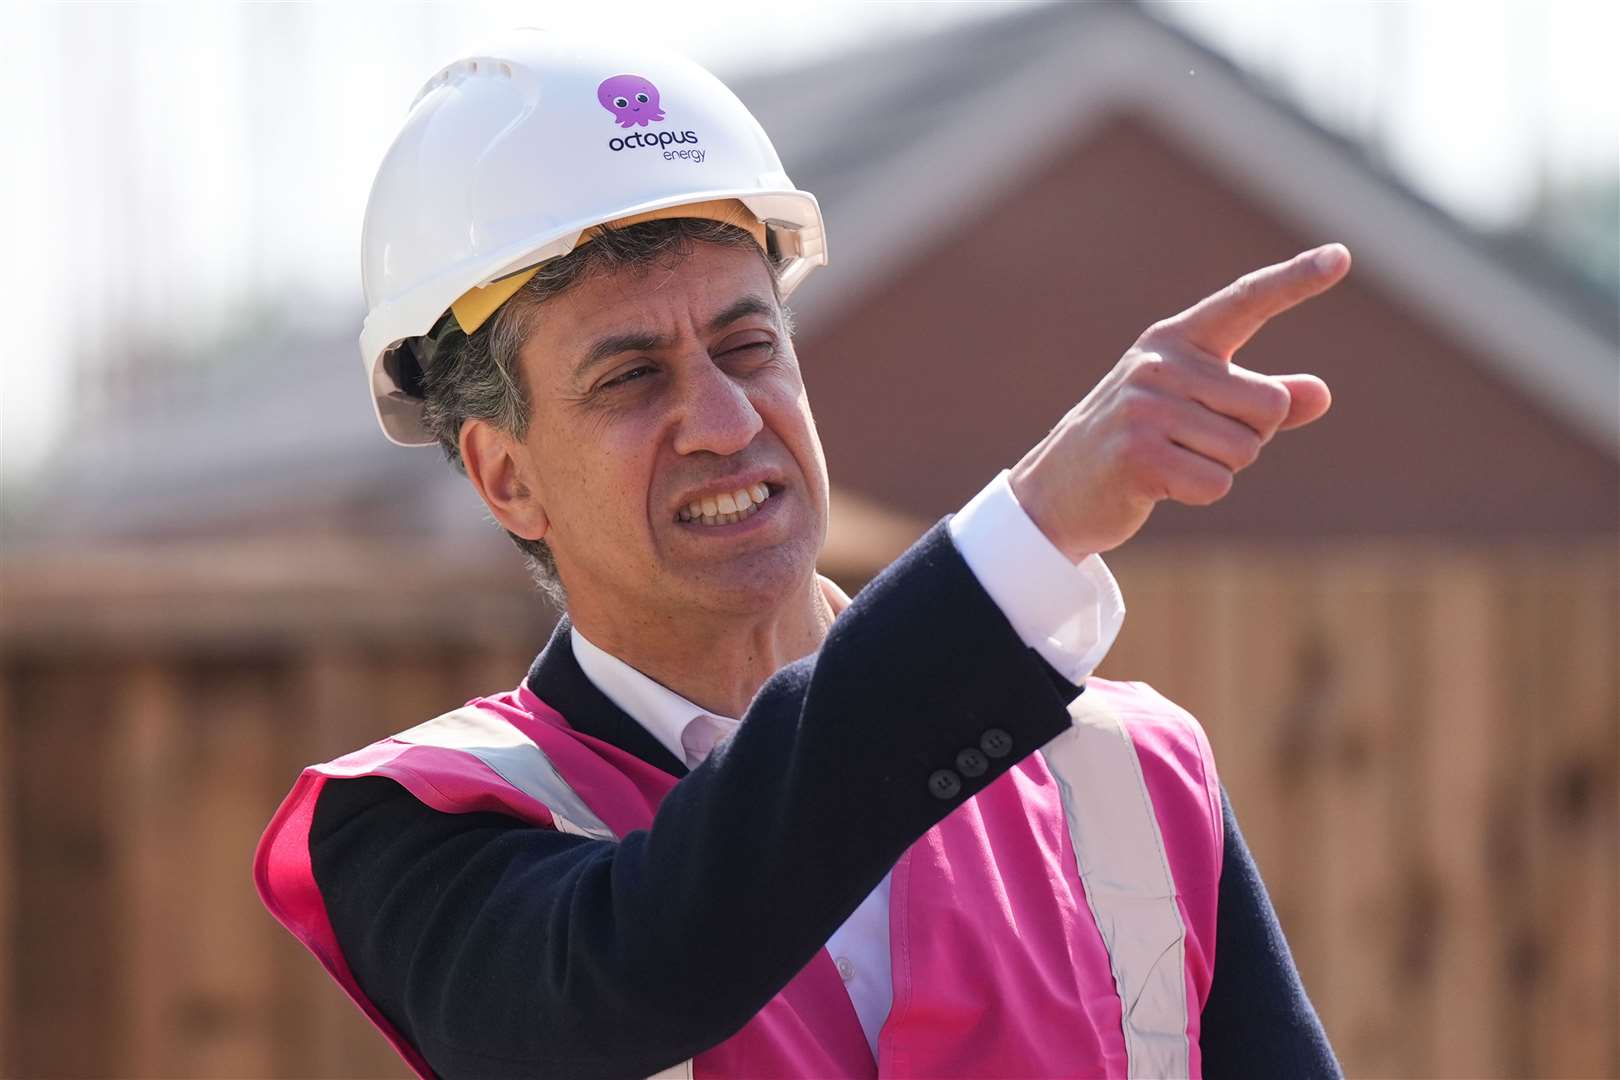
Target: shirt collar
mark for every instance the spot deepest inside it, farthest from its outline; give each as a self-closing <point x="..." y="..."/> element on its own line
<point x="664" y="713"/>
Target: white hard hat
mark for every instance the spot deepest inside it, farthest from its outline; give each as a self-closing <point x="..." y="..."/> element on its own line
<point x="510" y="156"/>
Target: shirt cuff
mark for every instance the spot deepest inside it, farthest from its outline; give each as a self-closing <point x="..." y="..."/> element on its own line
<point x="1068" y="613"/>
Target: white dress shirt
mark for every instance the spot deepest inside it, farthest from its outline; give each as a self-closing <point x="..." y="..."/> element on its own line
<point x="1069" y="613"/>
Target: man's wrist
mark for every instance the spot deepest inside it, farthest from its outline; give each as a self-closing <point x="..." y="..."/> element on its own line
<point x="1069" y="613"/>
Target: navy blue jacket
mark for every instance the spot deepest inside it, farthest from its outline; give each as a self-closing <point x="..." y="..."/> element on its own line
<point x="501" y="949"/>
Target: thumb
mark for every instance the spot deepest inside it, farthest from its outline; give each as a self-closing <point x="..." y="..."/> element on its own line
<point x="1311" y="398"/>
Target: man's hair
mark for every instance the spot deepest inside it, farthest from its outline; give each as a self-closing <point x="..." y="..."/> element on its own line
<point x="481" y="377"/>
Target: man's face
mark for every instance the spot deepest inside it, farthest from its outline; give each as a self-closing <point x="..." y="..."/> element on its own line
<point x="660" y="389"/>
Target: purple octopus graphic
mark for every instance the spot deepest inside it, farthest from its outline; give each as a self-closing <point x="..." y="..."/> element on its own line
<point x="631" y="99"/>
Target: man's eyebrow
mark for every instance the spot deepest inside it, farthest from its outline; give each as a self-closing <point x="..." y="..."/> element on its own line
<point x="747" y="305"/>
<point x="609" y="347"/>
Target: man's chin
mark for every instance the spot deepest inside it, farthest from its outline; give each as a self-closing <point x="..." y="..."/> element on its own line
<point x="751" y="582"/>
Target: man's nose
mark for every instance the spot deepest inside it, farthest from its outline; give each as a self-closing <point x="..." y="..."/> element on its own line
<point x="715" y="413"/>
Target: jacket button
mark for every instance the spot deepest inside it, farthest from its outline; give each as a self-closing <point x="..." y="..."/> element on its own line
<point x="945" y="784"/>
<point x="996" y="743"/>
<point x="971" y="763"/>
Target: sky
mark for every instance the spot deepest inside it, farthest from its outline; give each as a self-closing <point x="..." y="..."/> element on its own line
<point x="172" y="166"/>
<point x="1466" y="99"/>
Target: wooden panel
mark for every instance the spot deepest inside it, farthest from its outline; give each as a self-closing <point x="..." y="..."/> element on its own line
<point x="1266" y="678"/>
<point x="1575" y="827"/>
<point x="226" y="1015"/>
<point x="1360" y="997"/>
<point x="149" y="732"/>
<point x="1423" y="746"/>
<point x="1512" y="830"/>
<point x="8" y="877"/>
<point x="492" y="670"/>
<point x="65" y="1012"/>
<point x="1143" y="642"/>
<point x="331" y="693"/>
<point x="1458" y="713"/>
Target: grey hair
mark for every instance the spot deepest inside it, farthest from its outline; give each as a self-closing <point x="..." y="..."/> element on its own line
<point x="480" y="377"/>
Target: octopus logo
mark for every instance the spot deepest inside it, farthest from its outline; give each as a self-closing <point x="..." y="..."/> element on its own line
<point x="631" y="99"/>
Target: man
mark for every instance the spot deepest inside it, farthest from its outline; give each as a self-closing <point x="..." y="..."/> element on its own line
<point x="732" y="822"/>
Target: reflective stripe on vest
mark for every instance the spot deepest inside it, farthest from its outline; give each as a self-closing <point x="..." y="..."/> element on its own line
<point x="1115" y="833"/>
<point x="514" y="758"/>
<point x="1128" y="883"/>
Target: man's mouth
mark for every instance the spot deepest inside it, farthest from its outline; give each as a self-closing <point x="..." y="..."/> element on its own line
<point x="727" y="507"/>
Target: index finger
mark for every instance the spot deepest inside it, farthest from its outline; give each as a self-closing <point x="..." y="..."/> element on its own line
<point x="1222" y="323"/>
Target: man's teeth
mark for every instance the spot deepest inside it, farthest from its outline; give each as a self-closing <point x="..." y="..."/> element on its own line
<point x="727" y="508"/>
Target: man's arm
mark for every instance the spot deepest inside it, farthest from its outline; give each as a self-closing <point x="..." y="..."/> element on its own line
<point x="500" y="948"/>
<point x="1258" y="1020"/>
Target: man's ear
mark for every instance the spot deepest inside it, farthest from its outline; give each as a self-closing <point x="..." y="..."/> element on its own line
<point x="501" y="472"/>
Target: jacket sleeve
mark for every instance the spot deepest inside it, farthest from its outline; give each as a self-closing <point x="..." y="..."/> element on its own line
<point x="1257" y="1020"/>
<point x="502" y="949"/>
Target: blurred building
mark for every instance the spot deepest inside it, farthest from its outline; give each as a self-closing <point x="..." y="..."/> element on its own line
<point x="1009" y="206"/>
<point x="1399" y="628"/>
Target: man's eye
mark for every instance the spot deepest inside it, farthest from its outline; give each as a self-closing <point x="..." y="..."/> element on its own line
<point x="628" y="376"/>
<point x="752" y="346"/>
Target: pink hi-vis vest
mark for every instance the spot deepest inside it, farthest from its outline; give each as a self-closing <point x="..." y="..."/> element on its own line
<point x="1059" y="923"/>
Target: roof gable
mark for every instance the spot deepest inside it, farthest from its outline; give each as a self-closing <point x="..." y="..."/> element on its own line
<point x="969" y="115"/>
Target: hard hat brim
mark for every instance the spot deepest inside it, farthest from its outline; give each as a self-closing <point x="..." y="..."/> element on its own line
<point x="792" y="216"/>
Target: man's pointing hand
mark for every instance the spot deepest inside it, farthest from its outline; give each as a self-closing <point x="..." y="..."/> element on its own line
<point x="1175" y="419"/>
